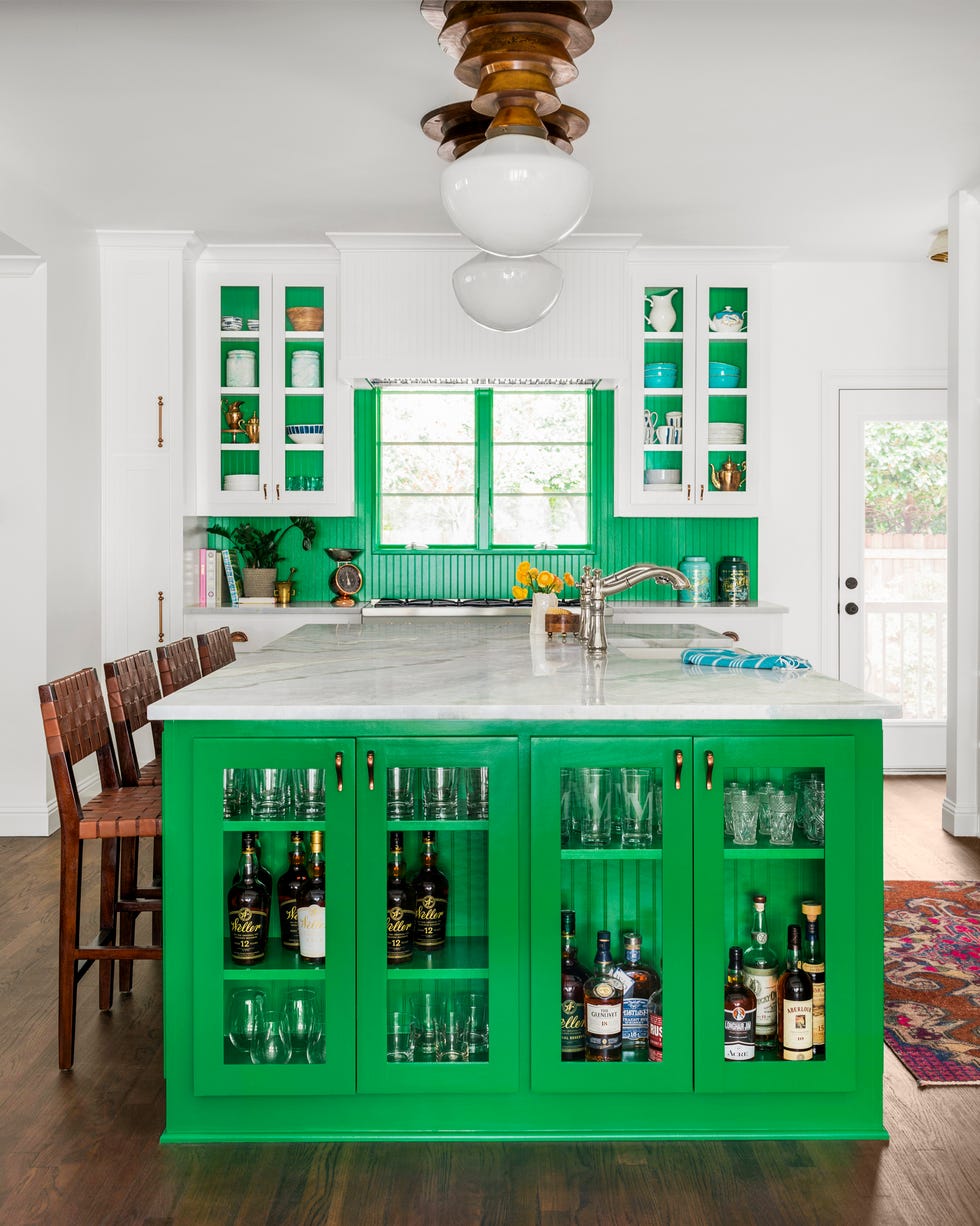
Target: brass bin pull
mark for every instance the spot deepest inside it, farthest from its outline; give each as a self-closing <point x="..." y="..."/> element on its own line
<point x="678" y="763"/>
<point x="709" y="761"/>
<point x="160" y="427"/>
<point x="370" y="764"/>
<point x="339" y="763"/>
<point x="160" y="617"/>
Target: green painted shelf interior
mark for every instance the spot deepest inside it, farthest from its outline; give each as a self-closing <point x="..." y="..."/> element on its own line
<point x="659" y="291"/>
<point x="240" y="300"/>
<point x="436" y="573"/>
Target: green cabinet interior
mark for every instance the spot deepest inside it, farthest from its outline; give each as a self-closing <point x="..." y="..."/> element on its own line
<point x="689" y="895"/>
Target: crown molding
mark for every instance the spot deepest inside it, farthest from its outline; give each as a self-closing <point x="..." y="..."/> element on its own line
<point x="706" y="255"/>
<point x="19" y="265"/>
<point x="275" y="252"/>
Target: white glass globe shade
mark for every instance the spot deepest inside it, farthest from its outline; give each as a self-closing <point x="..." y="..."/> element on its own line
<point x="516" y="195"/>
<point x="507" y="293"/>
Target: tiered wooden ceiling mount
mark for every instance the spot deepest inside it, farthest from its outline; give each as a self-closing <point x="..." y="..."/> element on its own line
<point x="515" y="55"/>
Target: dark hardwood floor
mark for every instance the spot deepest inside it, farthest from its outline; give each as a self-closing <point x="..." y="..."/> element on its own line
<point x="81" y="1149"/>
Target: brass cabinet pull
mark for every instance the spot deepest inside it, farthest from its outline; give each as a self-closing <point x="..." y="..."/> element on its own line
<point x="265" y="491"/>
<point x="689" y="492"/>
<point x="339" y="763"/>
<point x="678" y="763"/>
<point x="370" y="762"/>
<point x="702" y="493"/>
<point x="277" y="491"/>
<point x="160" y="616"/>
<point x="709" y="761"/>
<point x="159" y="421"/>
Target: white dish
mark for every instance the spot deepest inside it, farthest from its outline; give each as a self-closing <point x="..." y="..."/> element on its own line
<point x="661" y="476"/>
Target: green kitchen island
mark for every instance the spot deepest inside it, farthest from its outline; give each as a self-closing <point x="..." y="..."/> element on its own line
<point x="461" y="694"/>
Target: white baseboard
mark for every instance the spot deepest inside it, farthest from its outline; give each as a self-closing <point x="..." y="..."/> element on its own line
<point x="960" y="821"/>
<point x="40" y="820"/>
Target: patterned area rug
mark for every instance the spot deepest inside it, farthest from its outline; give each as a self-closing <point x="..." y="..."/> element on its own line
<point x="932" y="979"/>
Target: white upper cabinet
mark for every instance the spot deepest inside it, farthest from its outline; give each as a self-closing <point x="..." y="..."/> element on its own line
<point x="689" y="432"/>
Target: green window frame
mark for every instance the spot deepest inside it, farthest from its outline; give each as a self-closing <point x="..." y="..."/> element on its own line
<point x="476" y="436"/>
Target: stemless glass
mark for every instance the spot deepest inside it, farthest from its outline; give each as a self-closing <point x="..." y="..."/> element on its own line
<point x="309" y="793"/>
<point x="782" y="817"/>
<point x="299" y="1023"/>
<point x="764" y="791"/>
<point x="745" y="817"/>
<point x="401" y="1037"/>
<point x="236" y="793"/>
<point x="401" y="793"/>
<point x="439" y="792"/>
<point x="268" y="793"/>
<point x="570" y="805"/>
<point x="247" y="1017"/>
<point x="477" y="781"/>
<point x="269" y="1047"/>
<point x="813" y="818"/>
<point x="636" y="815"/>
<point x="425" y="1023"/>
<point x="474" y="1006"/>
<point x="594" y="785"/>
<point x="453" y="1040"/>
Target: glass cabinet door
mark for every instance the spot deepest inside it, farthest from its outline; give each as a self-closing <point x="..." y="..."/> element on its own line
<point x="438" y="959"/>
<point x="611" y="842"/>
<point x="775" y="817"/>
<point x="270" y="1018"/>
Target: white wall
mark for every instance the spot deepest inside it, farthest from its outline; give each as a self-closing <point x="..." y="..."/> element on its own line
<point x="828" y="319"/>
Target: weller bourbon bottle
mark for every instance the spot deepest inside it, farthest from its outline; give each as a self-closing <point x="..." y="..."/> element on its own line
<point x="310" y="906"/>
<point x="248" y="909"/>
<point x="573" y="980"/>
<point x="401" y="906"/>
<point x="431" y="899"/>
<point x="288" y="890"/>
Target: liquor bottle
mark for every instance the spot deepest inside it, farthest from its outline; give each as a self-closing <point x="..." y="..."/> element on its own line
<point x="310" y="913"/>
<point x="248" y="909"/>
<point x="740" y="1011"/>
<point x="812" y="962"/>
<point x="261" y="872"/>
<point x="760" y="973"/>
<point x="603" y="1006"/>
<point x="795" y="1003"/>
<point x="431" y="899"/>
<point x="288" y="891"/>
<point x="655" y="1048"/>
<point x="636" y="997"/>
<point x="573" y="979"/>
<point x="401" y="906"/>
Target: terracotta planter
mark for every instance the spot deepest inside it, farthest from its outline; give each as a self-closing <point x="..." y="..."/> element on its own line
<point x="258" y="581"/>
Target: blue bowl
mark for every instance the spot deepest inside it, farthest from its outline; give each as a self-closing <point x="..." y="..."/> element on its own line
<point x="660" y="378"/>
<point x="723" y="374"/>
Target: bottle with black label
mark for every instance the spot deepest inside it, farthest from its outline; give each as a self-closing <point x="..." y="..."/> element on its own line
<point x="401" y="906"/>
<point x="573" y="980"/>
<point x="739" y="1011"/>
<point x="288" y="890"/>
<point x="248" y="909"/>
<point x="812" y="962"/>
<point x="431" y="899"/>
<point x="795" y="1004"/>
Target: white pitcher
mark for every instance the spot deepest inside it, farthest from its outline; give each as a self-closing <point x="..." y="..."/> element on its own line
<point x="662" y="316"/>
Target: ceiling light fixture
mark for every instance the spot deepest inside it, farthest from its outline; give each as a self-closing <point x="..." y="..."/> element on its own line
<point x="939" y="250"/>
<point x="507" y="293"/>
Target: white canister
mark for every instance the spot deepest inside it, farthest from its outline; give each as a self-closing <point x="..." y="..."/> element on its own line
<point x="305" y="368"/>
<point x="240" y="368"/>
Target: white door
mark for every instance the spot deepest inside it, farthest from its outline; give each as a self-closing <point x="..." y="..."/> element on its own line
<point x="892" y="555"/>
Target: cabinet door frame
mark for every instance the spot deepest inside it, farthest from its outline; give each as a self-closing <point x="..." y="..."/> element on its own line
<point x="549" y="1073"/>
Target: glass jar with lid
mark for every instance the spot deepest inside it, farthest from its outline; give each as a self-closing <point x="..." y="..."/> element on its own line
<point x="733" y="580"/>
<point x="305" y="368"/>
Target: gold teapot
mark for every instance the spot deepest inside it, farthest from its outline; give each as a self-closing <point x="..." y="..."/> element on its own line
<point x="728" y="477"/>
<point x="251" y="428"/>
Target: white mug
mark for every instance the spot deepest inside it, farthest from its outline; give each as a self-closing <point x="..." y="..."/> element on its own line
<point x="674" y="419"/>
<point x="663" y="434"/>
<point x="676" y="434"/>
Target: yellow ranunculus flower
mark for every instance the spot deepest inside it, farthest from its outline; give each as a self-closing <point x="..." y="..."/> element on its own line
<point x="519" y="593"/>
<point x="533" y="573"/>
<point x="569" y="581"/>
<point x="545" y="579"/>
<point x="523" y="572"/>
<point x="557" y="585"/>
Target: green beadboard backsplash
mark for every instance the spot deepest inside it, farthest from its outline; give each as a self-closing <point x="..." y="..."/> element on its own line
<point x="619" y="542"/>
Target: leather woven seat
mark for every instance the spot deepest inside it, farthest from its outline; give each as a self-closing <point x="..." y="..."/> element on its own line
<point x="215" y="649"/>
<point x="76" y="725"/>
<point x="178" y="664"/>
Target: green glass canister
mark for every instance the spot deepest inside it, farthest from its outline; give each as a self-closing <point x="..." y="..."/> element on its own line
<point x="697" y="568"/>
<point x="733" y="580"/>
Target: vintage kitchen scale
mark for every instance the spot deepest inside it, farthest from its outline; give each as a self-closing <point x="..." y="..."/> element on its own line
<point x="348" y="579"/>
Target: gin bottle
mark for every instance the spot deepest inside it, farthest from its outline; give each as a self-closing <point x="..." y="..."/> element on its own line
<point x="761" y="974"/>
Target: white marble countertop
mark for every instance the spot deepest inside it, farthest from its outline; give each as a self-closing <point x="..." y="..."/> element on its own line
<point x="478" y="669"/>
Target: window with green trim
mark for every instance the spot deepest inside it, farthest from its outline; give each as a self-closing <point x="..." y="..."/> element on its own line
<point x="484" y="467"/>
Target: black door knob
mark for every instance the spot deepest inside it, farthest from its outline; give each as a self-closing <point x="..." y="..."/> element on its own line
<point x="851" y="608"/>
<point x="850" y="582"/>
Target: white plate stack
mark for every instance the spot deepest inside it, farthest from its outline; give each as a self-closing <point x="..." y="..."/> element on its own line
<point x="240" y="482"/>
<point x="726" y="434"/>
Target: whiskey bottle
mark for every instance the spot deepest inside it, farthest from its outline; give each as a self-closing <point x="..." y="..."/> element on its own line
<point x="401" y="906"/>
<point x="795" y="1007"/>
<point x="655" y="1048"/>
<point x="288" y="890"/>
<point x="812" y="962"/>
<point x="760" y="974"/>
<point x="573" y="979"/>
<point x="603" y="1007"/>
<point x="248" y="909"/>
<point x="740" y="1011"/>
<point x="643" y="980"/>
<point x="310" y="911"/>
<point x="431" y="899"/>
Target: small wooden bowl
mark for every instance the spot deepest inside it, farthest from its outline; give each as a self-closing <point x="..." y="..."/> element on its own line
<point x="560" y="621"/>
<point x="305" y="319"/>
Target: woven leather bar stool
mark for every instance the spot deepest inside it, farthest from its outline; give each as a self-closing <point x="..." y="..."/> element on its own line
<point x="215" y="649"/>
<point x="76" y="725"/>
<point x="178" y="665"/>
<point x="131" y="684"/>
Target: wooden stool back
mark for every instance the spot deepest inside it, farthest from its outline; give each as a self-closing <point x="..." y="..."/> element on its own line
<point x="215" y="649"/>
<point x="178" y="665"/>
<point x="131" y="684"/>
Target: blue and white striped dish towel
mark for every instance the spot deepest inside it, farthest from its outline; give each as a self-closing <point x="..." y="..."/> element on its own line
<point x="711" y="658"/>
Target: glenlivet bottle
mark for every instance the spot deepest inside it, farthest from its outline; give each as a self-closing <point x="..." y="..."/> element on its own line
<point x="603" y="1006"/>
<point x="636" y="998"/>
<point x="795" y="1003"/>
<point x="431" y="899"/>
<point x="248" y="909"/>
<point x="310" y="912"/>
<point x="760" y="973"/>
<point x="739" y="1011"/>
<point x="573" y="980"/>
<point x="401" y="906"/>
<point x="288" y="890"/>
<point x="812" y="962"/>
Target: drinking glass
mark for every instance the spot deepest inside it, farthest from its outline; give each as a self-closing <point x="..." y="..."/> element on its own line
<point x="474" y="1005"/>
<point x="439" y="792"/>
<point x="657" y="792"/>
<point x="782" y="818"/>
<point x="453" y="1041"/>
<point x="636" y="815"/>
<point x="813" y="817"/>
<point x="269" y="1047"/>
<point x="570" y="807"/>
<point x="236" y="795"/>
<point x="268" y="793"/>
<point x="401" y="793"/>
<point x="247" y="1017"/>
<point x="401" y="1038"/>
<point x="731" y="787"/>
<point x="477" y="781"/>
<point x="764" y="791"/>
<point x="309" y="793"/>
<point x="425" y="1023"/>
<point x="299" y="1024"/>
<point x="594" y="784"/>
<point x="745" y="817"/>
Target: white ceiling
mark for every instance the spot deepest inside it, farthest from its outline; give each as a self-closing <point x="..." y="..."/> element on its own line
<point x="837" y="130"/>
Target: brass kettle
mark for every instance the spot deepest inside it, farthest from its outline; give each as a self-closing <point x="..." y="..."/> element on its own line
<point x="729" y="476"/>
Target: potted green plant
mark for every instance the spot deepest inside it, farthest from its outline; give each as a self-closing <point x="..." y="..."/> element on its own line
<point x="259" y="551"/>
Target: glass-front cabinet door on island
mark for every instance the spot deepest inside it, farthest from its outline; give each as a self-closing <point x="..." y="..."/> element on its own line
<point x="273" y="883"/>
<point x="689" y="430"/>
<point x="274" y="421"/>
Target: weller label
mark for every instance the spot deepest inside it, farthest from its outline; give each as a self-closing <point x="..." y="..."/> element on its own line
<point x="572" y="1026"/>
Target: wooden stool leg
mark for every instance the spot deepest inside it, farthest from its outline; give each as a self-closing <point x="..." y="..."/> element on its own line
<point x="70" y="905"/>
<point x="107" y="919"/>
<point x="156" y="920"/>
<point x="129" y="851"/>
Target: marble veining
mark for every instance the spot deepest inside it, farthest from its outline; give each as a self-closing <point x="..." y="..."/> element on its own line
<point x="475" y="669"/>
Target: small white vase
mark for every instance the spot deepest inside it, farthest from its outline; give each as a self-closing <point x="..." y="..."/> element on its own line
<point x="540" y="602"/>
